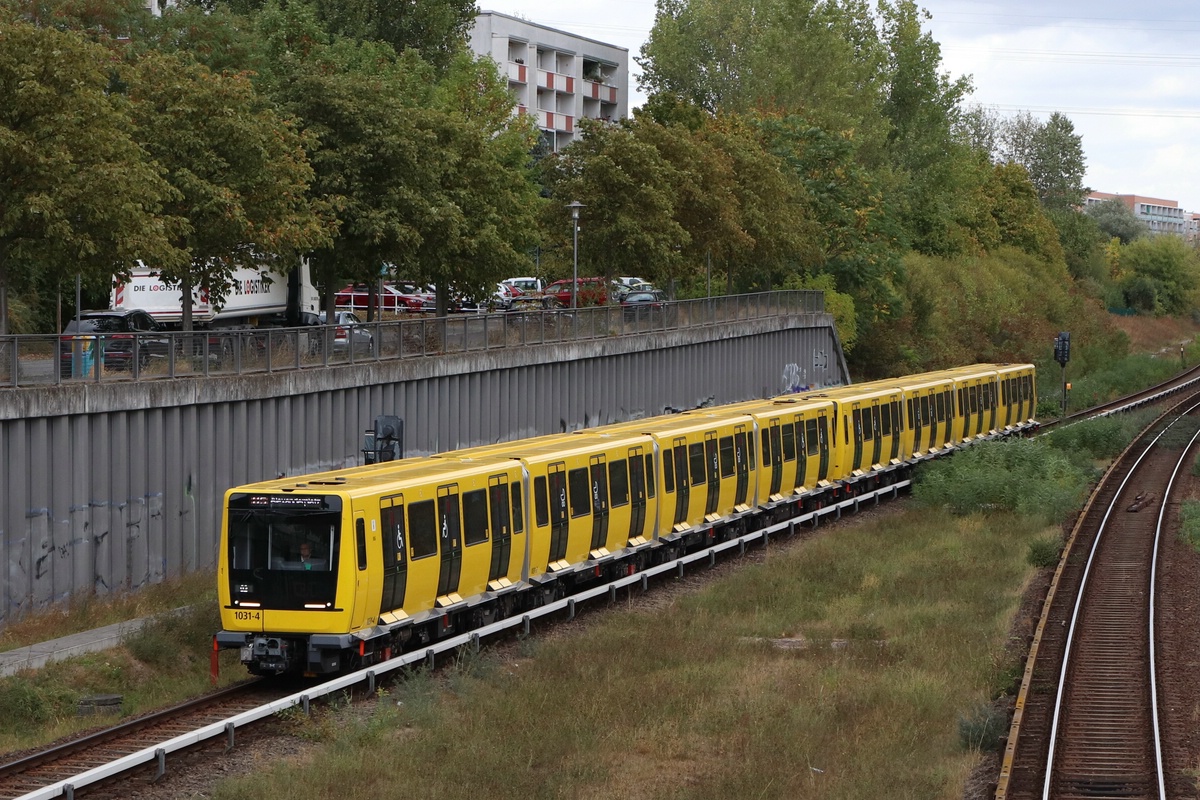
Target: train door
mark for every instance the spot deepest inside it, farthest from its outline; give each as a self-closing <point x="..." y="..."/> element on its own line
<point x="929" y="411"/>
<point x="501" y="520"/>
<point x="713" y="473"/>
<point x="775" y="444"/>
<point x="637" y="493"/>
<point x="683" y="494"/>
<point x="963" y="410"/>
<point x="897" y="428"/>
<point x="946" y="407"/>
<point x="990" y="395"/>
<point x="916" y="420"/>
<point x="559" y="518"/>
<point x="857" y="433"/>
<point x="741" y="464"/>
<point x="395" y="553"/>
<point x="823" y="442"/>
<point x="802" y="449"/>
<point x="599" y="489"/>
<point x="361" y="615"/>
<point x="450" y="538"/>
<point x="876" y="433"/>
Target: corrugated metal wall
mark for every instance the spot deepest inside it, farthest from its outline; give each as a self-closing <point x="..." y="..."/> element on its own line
<point x="111" y="487"/>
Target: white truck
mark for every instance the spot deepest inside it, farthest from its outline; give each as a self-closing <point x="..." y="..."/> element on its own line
<point x="253" y="300"/>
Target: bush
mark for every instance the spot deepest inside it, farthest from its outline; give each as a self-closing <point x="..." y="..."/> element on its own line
<point x="1026" y="476"/>
<point x="1043" y="552"/>
<point x="23" y="706"/>
<point x="983" y="729"/>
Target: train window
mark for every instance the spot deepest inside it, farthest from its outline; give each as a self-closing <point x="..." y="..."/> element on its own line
<point x="618" y="482"/>
<point x="896" y="415"/>
<point x="810" y="436"/>
<point x="923" y="409"/>
<point x="422" y="531"/>
<point x="789" y="443"/>
<point x="668" y="470"/>
<point x="726" y="456"/>
<point x="449" y="516"/>
<point x="541" y="501"/>
<point x="518" y="509"/>
<point x="360" y="539"/>
<point x="696" y="463"/>
<point x="651" y="488"/>
<point x="885" y="419"/>
<point x="911" y="416"/>
<point x="940" y="406"/>
<point x="766" y="447"/>
<point x="750" y="452"/>
<point x="869" y="422"/>
<point x="475" y="516"/>
<point x="581" y="492"/>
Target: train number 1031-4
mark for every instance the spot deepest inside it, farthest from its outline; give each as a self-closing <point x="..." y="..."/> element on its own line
<point x="248" y="615"/>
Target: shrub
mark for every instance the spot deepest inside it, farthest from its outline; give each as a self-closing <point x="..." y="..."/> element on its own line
<point x="1043" y="551"/>
<point x="1026" y="476"/>
<point x="23" y="706"/>
<point x="983" y="729"/>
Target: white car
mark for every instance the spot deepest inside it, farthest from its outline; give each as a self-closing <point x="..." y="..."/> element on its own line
<point x="526" y="285"/>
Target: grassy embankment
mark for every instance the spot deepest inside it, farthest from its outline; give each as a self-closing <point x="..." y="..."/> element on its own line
<point x="862" y="662"/>
<point x="902" y="618"/>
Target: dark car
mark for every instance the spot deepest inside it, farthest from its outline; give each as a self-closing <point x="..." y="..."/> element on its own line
<point x="348" y="328"/>
<point x="122" y="337"/>
<point x="590" y="292"/>
<point x="644" y="302"/>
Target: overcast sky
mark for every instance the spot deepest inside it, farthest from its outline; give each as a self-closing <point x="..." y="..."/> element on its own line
<point x="1122" y="71"/>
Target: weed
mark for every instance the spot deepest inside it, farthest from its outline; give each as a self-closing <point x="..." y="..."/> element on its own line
<point x="23" y="705"/>
<point x="1189" y="523"/>
<point x="982" y="729"/>
<point x="1044" y="551"/>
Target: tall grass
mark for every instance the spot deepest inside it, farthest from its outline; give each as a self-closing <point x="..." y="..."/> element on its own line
<point x="840" y="667"/>
<point x="165" y="663"/>
<point x="1115" y="379"/>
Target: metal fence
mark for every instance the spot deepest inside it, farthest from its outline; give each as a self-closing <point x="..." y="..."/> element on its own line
<point x="47" y="360"/>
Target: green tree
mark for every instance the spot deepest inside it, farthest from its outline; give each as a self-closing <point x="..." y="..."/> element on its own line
<point x="629" y="189"/>
<point x="435" y="29"/>
<point x="1082" y="242"/>
<point x="239" y="170"/>
<point x="1163" y="273"/>
<point x="1114" y="218"/>
<point x="1052" y="154"/>
<point x="78" y="195"/>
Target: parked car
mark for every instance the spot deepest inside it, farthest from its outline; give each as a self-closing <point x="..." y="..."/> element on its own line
<point x="643" y="303"/>
<point x="395" y="297"/>
<point x="118" y="335"/>
<point x="526" y="285"/>
<point x="590" y="292"/>
<point x="500" y="300"/>
<point x="349" y="328"/>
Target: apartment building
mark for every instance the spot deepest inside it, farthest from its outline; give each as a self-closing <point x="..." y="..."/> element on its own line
<point x="557" y="76"/>
<point x="1160" y="216"/>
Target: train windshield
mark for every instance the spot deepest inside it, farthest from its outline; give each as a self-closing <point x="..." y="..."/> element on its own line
<point x="283" y="551"/>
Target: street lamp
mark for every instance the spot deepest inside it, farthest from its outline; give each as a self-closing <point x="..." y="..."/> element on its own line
<point x="575" y="205"/>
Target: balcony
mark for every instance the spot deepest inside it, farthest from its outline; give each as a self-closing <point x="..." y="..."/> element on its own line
<point x="554" y="121"/>
<point x="556" y="81"/>
<point x="599" y="91"/>
<point x="518" y="73"/>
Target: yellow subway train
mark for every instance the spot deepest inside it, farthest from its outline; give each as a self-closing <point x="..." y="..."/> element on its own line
<point x="342" y="569"/>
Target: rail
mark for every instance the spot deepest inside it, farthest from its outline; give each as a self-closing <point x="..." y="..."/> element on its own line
<point x="38" y="361"/>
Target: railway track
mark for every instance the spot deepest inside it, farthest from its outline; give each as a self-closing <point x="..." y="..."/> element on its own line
<point x="57" y="763"/>
<point x="1087" y="723"/>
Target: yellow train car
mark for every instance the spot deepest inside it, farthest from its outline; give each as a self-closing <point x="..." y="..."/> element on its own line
<point x="338" y="569"/>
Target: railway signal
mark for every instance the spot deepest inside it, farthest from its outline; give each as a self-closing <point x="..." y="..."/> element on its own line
<point x="1062" y="354"/>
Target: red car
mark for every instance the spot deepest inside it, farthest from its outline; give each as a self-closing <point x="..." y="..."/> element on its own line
<point x="590" y="292"/>
<point x="396" y="297"/>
